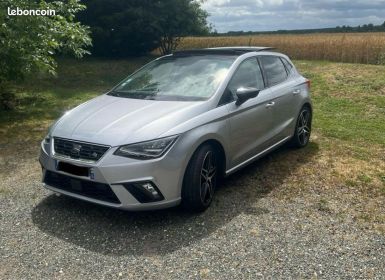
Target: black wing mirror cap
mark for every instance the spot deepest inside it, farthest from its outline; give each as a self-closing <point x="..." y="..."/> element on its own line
<point x="246" y="93"/>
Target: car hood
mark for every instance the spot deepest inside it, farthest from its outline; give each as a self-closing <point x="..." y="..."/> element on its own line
<point x="117" y="121"/>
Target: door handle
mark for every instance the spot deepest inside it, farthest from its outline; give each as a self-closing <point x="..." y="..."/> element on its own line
<point x="270" y="104"/>
<point x="296" y="91"/>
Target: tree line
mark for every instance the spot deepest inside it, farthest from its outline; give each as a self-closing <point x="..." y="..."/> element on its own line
<point x="122" y="28"/>
<point x="338" y="29"/>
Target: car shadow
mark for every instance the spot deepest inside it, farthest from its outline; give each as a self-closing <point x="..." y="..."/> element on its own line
<point x="114" y="232"/>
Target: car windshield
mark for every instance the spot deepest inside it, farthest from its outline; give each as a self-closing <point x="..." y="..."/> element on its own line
<point x="177" y="78"/>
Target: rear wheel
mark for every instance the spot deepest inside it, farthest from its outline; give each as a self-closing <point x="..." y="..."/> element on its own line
<point x="200" y="179"/>
<point x="303" y="128"/>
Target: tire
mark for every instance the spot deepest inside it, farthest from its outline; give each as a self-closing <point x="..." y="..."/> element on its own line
<point x="302" y="128"/>
<point x="200" y="179"/>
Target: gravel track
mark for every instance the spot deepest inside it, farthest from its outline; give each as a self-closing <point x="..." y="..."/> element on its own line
<point x="253" y="230"/>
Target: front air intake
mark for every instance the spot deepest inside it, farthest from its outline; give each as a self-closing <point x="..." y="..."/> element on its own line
<point x="85" y="188"/>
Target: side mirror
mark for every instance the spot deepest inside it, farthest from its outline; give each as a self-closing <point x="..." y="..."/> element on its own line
<point x="245" y="93"/>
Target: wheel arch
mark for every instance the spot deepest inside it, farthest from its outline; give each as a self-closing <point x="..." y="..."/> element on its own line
<point x="220" y="151"/>
<point x="308" y="104"/>
<point x="218" y="146"/>
<point x="187" y="190"/>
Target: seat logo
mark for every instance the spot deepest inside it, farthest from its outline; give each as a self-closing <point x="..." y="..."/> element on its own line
<point x="75" y="151"/>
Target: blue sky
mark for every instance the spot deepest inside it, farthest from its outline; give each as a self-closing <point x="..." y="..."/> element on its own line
<point x="266" y="15"/>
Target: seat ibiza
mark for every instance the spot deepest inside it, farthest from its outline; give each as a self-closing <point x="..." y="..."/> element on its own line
<point x="170" y="131"/>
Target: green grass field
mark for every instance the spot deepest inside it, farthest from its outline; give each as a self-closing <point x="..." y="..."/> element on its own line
<point x="348" y="138"/>
<point x="349" y="99"/>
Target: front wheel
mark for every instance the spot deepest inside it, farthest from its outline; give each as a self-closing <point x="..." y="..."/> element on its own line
<point x="303" y="128"/>
<point x="200" y="179"/>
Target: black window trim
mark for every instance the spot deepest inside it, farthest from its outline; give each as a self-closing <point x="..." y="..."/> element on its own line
<point x="288" y="71"/>
<point x="264" y="73"/>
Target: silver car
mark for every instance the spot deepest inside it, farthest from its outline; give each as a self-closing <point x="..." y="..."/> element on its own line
<point x="170" y="131"/>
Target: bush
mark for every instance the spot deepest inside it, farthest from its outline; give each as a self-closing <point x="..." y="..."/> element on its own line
<point x="28" y="44"/>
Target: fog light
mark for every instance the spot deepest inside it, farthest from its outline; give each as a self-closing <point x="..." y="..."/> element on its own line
<point x="150" y="188"/>
<point x="144" y="192"/>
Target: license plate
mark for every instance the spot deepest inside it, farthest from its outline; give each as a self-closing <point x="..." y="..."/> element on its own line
<point x="72" y="169"/>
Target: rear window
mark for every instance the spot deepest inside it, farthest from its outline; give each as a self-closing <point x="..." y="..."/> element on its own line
<point x="274" y="69"/>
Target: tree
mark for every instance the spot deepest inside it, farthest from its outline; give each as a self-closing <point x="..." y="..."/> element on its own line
<point x="180" y="18"/>
<point x="125" y="28"/>
<point x="121" y="28"/>
<point x="28" y="44"/>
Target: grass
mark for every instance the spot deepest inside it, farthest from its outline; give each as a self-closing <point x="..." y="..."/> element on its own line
<point x="44" y="99"/>
<point x="340" y="47"/>
<point x="342" y="171"/>
<point x="349" y="99"/>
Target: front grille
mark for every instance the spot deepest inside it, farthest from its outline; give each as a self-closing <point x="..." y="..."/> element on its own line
<point x="86" y="188"/>
<point x="78" y="150"/>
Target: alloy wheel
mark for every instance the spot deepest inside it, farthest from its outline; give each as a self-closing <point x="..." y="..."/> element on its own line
<point x="304" y="127"/>
<point x="208" y="178"/>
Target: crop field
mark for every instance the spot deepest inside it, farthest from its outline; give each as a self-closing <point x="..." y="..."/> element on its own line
<point x="366" y="48"/>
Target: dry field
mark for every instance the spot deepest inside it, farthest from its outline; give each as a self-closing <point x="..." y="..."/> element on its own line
<point x="349" y="47"/>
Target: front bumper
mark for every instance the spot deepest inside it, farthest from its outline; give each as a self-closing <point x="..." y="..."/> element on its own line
<point x="114" y="173"/>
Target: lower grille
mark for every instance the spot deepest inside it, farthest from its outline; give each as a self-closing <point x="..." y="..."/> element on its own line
<point x="82" y="187"/>
<point x="78" y="150"/>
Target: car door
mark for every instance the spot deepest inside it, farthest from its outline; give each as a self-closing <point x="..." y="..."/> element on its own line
<point x="283" y="91"/>
<point x="250" y="122"/>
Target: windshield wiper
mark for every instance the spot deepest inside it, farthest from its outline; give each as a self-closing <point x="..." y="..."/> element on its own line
<point x="137" y="94"/>
<point x="154" y="90"/>
<point x="114" y="93"/>
<point x="138" y="91"/>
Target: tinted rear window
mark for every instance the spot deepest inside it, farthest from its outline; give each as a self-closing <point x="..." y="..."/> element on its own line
<point x="274" y="69"/>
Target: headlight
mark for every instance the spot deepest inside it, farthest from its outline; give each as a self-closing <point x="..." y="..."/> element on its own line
<point x="146" y="150"/>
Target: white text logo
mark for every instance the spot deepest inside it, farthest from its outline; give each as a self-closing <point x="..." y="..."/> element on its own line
<point x="32" y="12"/>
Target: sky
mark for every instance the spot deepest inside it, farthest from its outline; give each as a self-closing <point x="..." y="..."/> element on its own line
<point x="270" y="15"/>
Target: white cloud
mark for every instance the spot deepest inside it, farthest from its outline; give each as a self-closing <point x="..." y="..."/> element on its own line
<point x="259" y="15"/>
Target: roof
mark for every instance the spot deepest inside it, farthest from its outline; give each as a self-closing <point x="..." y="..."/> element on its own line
<point x="222" y="51"/>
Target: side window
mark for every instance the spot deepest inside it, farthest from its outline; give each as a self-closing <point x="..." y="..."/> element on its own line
<point x="248" y="74"/>
<point x="288" y="65"/>
<point x="274" y="69"/>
